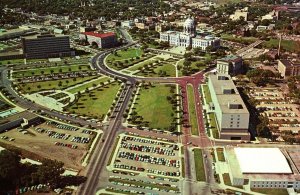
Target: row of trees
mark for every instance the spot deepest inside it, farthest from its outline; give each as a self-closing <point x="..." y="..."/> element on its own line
<point x="262" y="77"/>
<point x="14" y="174"/>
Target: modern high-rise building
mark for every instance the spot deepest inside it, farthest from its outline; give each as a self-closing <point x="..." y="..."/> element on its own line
<point x="231" y="113"/>
<point x="47" y="46"/>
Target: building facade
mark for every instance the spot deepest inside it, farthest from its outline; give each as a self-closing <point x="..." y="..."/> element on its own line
<point x="238" y="14"/>
<point x="47" y="46"/>
<point x="230" y="65"/>
<point x="23" y="119"/>
<point x="101" y="40"/>
<point x="231" y="113"/>
<point x="189" y="37"/>
<point x="288" y="68"/>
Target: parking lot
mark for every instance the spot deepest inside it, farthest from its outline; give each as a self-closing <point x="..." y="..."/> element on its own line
<point x="52" y="140"/>
<point x="279" y="109"/>
<point x="145" y="165"/>
<point x="148" y="156"/>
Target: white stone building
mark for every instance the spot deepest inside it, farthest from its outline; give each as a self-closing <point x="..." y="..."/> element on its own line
<point x="189" y="37"/>
<point x="232" y="115"/>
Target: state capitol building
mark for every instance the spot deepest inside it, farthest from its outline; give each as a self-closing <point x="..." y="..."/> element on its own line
<point x="189" y="37"/>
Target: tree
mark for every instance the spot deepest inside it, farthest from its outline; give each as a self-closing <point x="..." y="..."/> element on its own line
<point x="49" y="172"/>
<point x="9" y="170"/>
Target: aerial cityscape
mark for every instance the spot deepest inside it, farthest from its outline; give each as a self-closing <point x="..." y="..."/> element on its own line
<point x="112" y="97"/>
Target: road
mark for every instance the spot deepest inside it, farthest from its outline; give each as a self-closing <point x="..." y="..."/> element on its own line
<point x="102" y="150"/>
<point x="27" y="104"/>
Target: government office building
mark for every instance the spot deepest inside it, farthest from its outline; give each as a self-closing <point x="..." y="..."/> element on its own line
<point x="231" y="113"/>
<point x="46" y="46"/>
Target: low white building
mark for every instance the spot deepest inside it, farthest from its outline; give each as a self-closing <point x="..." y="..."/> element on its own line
<point x="261" y="167"/>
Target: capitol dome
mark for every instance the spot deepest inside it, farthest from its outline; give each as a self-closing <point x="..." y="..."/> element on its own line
<point x="189" y="26"/>
<point x="190" y="22"/>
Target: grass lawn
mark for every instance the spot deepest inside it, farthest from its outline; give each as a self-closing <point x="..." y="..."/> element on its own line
<point x="113" y="151"/>
<point x="244" y="40"/>
<point x="213" y="126"/>
<point x="165" y="70"/>
<point x="291" y="46"/>
<point x="207" y="94"/>
<point x="199" y="165"/>
<point x="88" y="85"/>
<point x="141" y="183"/>
<point x="226" y="179"/>
<point x="153" y="106"/>
<point x="123" y="55"/>
<point x="270" y="191"/>
<point x="47" y="85"/>
<point x="50" y="70"/>
<point x="220" y="153"/>
<point x="97" y="102"/>
<point x="192" y="111"/>
<point x="15" y="61"/>
<point x="193" y="68"/>
<point x="141" y="64"/>
<point x="182" y="167"/>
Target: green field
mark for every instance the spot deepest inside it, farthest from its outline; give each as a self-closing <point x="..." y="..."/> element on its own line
<point x="199" y="165"/>
<point x="165" y="70"/>
<point x="220" y="153"/>
<point x="96" y="103"/>
<point x="244" y="40"/>
<point x="100" y="80"/>
<point x="193" y="67"/>
<point x="50" y="70"/>
<point x="213" y="126"/>
<point x="15" y="61"/>
<point x="207" y="94"/>
<point x="270" y="191"/>
<point x="291" y="46"/>
<point x="123" y="55"/>
<point x="55" y="84"/>
<point x="226" y="179"/>
<point x="192" y="110"/>
<point x="144" y="184"/>
<point x="153" y="106"/>
<point x="142" y="64"/>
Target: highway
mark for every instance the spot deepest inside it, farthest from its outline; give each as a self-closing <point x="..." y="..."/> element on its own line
<point x="102" y="151"/>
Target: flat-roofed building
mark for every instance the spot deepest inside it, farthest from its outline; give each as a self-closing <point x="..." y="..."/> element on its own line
<point x="231" y="112"/>
<point x="262" y="168"/>
<point x="288" y="68"/>
<point x="47" y="46"/>
<point x="101" y="40"/>
<point x="19" y="119"/>
<point x="231" y="65"/>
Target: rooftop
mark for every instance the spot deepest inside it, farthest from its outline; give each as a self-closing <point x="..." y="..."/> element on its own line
<point x="100" y="35"/>
<point x="227" y="93"/>
<point x="21" y="115"/>
<point x="231" y="58"/>
<point x="289" y="63"/>
<point x="262" y="161"/>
